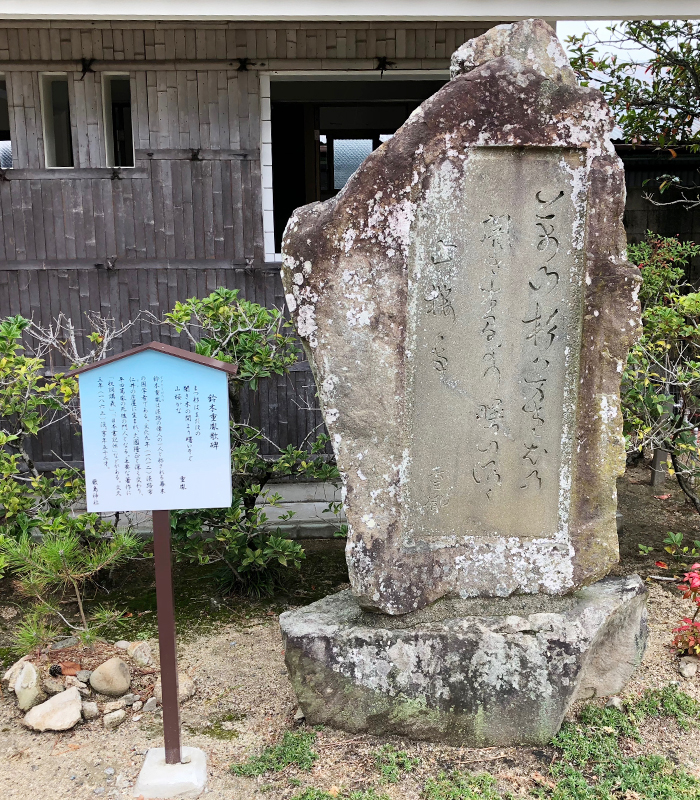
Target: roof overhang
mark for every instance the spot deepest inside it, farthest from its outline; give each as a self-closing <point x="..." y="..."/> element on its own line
<point x="341" y="11"/>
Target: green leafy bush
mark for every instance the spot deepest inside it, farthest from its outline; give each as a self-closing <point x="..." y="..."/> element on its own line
<point x="49" y="545"/>
<point x="661" y="381"/>
<point x="254" y="559"/>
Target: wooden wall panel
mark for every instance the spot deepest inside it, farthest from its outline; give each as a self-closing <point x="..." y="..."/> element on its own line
<point x="188" y="218"/>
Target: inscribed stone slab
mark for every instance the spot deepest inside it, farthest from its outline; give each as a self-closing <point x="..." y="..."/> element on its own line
<point x="467" y="308"/>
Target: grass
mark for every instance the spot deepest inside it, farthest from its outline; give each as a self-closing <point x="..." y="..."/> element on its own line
<point x="294" y="750"/>
<point x="591" y="763"/>
<point x="393" y="763"/>
<point x="459" y="786"/>
<point x="319" y="794"/>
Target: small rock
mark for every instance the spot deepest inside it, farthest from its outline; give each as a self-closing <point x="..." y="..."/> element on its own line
<point x="137" y="706"/>
<point x="99" y="790"/>
<point x="122" y="644"/>
<point x="137" y="717"/>
<point x="10" y="677"/>
<point x="299" y="714"/>
<point x="71" y="641"/>
<point x="150" y="705"/>
<point x="130" y="699"/>
<point x="185" y="690"/>
<point x="58" y="713"/>
<point x="90" y="710"/>
<point x="140" y="653"/>
<point x="115" y="706"/>
<point x="109" y="771"/>
<point x="28" y="688"/>
<point x="688" y="667"/>
<point x="84" y="675"/>
<point x="112" y="678"/>
<point x="615" y="702"/>
<point x="52" y="686"/>
<point x="114" y="719"/>
<point x="79" y="685"/>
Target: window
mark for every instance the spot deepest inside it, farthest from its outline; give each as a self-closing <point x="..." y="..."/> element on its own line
<point x="117" y="116"/>
<point x="5" y="143"/>
<point x="58" y="143"/>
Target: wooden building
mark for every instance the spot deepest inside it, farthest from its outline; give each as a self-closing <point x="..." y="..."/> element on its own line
<point x="147" y="157"/>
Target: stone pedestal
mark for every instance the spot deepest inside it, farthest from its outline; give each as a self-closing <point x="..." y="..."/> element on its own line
<point x="476" y="672"/>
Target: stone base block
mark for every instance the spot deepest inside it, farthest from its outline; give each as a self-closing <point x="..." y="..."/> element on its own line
<point x="161" y="780"/>
<point x="475" y="672"/>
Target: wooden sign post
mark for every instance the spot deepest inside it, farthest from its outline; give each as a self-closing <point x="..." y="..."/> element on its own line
<point x="155" y="425"/>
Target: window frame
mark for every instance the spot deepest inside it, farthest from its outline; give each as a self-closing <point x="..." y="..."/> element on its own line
<point x="10" y="121"/>
<point x="265" y="76"/>
<point x="107" y="121"/>
<point x="47" y="113"/>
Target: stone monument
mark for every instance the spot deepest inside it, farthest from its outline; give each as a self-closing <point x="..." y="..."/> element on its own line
<point x="467" y="309"/>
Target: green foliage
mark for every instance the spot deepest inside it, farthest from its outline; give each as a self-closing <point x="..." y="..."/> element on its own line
<point x="654" y="89"/>
<point x="662" y="376"/>
<point x="29" y="402"/>
<point x="254" y="559"/>
<point x="294" y="750"/>
<point x="62" y="560"/>
<point x="460" y="786"/>
<point x="49" y="546"/>
<point x="592" y="765"/>
<point x="319" y="794"/>
<point x="391" y="763"/>
<point x="225" y="326"/>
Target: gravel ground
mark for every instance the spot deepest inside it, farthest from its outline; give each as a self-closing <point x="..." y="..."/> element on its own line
<point x="244" y="694"/>
<point x="245" y="702"/>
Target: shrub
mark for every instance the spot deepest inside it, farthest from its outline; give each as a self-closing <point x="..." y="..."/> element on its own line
<point x="253" y="558"/>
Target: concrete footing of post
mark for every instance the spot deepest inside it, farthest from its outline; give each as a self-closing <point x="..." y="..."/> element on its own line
<point x="160" y="780"/>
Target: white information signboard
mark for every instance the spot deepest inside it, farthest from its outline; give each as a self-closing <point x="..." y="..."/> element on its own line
<point x="155" y="433"/>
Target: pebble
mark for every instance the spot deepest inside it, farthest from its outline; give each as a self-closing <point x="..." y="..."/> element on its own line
<point x="122" y="644"/>
<point x="114" y="719"/>
<point x="150" y="705"/>
<point x="100" y="790"/>
<point x="52" y="685"/>
<point x="84" y="675"/>
<point x="71" y="641"/>
<point x="129" y="699"/>
<point x="688" y="667"/>
<point x="109" y="771"/>
<point x="137" y="717"/>
<point x="140" y="653"/>
<point x="90" y="710"/>
<point x="615" y="702"/>
<point x="185" y="689"/>
<point x="114" y="706"/>
<point x="137" y="706"/>
<point x="111" y="678"/>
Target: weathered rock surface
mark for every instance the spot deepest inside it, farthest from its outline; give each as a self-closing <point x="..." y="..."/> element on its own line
<point x="52" y="685"/>
<point x="111" y="678"/>
<point x="150" y="705"/>
<point x="476" y="672"/>
<point x="10" y="677"/>
<point x="185" y="689"/>
<point x="58" y="713"/>
<point x="689" y="666"/>
<point x="28" y="687"/>
<point x="90" y="709"/>
<point x="467" y="309"/>
<point x="114" y="719"/>
<point x="140" y="653"/>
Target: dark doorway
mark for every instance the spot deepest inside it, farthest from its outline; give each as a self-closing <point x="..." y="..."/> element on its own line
<point x="323" y="130"/>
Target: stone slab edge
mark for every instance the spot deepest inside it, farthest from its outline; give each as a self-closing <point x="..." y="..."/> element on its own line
<point x="474" y="681"/>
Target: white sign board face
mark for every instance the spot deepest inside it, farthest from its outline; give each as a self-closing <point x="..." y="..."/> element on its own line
<point x="155" y="435"/>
